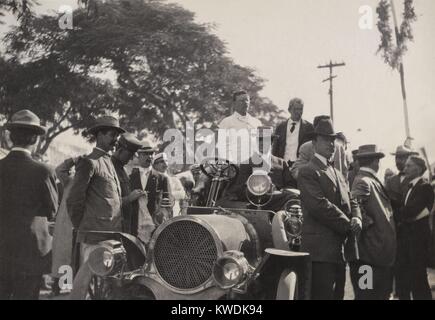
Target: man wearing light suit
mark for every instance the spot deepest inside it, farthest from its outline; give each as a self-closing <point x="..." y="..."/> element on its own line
<point x="377" y="241"/>
<point x="330" y="215"/>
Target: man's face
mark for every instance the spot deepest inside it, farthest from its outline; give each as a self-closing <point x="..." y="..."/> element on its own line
<point x="242" y="103"/>
<point x="411" y="170"/>
<point x="107" y="141"/>
<point x="296" y="111"/>
<point x="145" y="159"/>
<point x="400" y="162"/>
<point x="161" y="166"/>
<point x="125" y="156"/>
<point x="376" y="165"/>
<point x="325" y="146"/>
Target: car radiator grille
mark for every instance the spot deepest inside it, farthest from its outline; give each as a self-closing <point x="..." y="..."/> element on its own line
<point x="184" y="254"/>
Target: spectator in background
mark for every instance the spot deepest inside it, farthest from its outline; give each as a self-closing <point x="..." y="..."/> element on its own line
<point x="178" y="193"/>
<point x="306" y="153"/>
<point x="292" y="133"/>
<point x="353" y="167"/>
<point x="414" y="234"/>
<point x="377" y="241"/>
<point x="28" y="200"/>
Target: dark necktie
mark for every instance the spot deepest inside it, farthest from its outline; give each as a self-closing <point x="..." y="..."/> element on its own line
<point x="293" y="127"/>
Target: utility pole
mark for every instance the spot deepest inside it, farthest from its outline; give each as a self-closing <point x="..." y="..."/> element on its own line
<point x="330" y="79"/>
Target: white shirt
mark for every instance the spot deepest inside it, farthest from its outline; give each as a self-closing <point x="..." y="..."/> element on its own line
<point x="238" y="144"/>
<point x="413" y="183"/>
<point x="144" y="174"/>
<point x="237" y="121"/>
<point x="292" y="141"/>
<point x="22" y="150"/>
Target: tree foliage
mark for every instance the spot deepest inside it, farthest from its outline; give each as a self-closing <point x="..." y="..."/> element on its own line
<point x="393" y="52"/>
<point x="150" y="62"/>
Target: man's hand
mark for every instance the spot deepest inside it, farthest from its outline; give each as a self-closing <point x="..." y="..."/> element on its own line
<point x="355" y="225"/>
<point x="135" y="194"/>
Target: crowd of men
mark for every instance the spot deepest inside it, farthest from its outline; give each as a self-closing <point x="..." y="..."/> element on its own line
<point x="350" y="215"/>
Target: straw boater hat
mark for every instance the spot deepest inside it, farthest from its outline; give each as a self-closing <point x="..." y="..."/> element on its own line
<point x="369" y="151"/>
<point x="105" y="122"/>
<point x="160" y="157"/>
<point x="26" y="119"/>
<point x="404" y="151"/>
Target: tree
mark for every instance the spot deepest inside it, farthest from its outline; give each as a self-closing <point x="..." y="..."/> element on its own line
<point x="162" y="69"/>
<point x="393" y="54"/>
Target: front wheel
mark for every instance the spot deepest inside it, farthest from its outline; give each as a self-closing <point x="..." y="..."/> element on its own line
<point x="287" y="286"/>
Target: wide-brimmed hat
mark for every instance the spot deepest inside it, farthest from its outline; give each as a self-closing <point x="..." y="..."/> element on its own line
<point x="325" y="127"/>
<point x="369" y="151"/>
<point x="105" y="122"/>
<point x="26" y="119"/>
<point x="129" y="142"/>
<point x="146" y="147"/>
<point x="404" y="151"/>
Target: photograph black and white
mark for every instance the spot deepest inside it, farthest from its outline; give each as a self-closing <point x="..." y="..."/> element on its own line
<point x="217" y="150"/>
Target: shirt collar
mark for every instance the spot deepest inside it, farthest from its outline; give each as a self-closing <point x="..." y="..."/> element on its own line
<point x="101" y="150"/>
<point x="22" y="150"/>
<point x="290" y="120"/>
<point x="415" y="181"/>
<point x="370" y="170"/>
<point x="238" y="115"/>
<point x="322" y="159"/>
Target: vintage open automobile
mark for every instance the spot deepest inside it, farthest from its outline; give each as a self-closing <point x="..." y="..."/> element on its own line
<point x="210" y="253"/>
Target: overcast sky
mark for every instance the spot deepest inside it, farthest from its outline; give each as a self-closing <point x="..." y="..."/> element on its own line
<point x="285" y="41"/>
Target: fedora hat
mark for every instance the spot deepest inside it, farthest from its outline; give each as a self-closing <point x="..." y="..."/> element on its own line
<point x="26" y="119"/>
<point x="369" y="151"/>
<point x="129" y="142"/>
<point x="105" y="122"/>
<point x="404" y="151"/>
<point x="325" y="128"/>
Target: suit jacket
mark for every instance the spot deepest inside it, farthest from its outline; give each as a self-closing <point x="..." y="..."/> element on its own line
<point x="28" y="197"/>
<point x="377" y="241"/>
<point x="397" y="191"/>
<point x="279" y="174"/>
<point x="327" y="209"/>
<point x="157" y="186"/>
<point x="279" y="144"/>
<point x="420" y="198"/>
<point x="94" y="201"/>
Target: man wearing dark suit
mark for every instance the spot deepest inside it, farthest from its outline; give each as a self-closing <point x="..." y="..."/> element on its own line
<point x="377" y="241"/>
<point x="292" y="133"/>
<point x="155" y="184"/>
<point x="413" y="234"/>
<point x="330" y="215"/>
<point x="397" y="185"/>
<point x="276" y="168"/>
<point x="28" y="199"/>
<point x="127" y="148"/>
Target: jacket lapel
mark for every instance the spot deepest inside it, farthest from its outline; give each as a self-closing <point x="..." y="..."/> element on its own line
<point x="324" y="168"/>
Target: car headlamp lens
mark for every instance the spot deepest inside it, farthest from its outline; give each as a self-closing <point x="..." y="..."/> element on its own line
<point x="107" y="260"/>
<point x="259" y="183"/>
<point x="230" y="269"/>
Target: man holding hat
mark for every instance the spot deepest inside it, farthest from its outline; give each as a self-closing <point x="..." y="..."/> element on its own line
<point x="28" y="199"/>
<point x="128" y="145"/>
<point x="330" y="215"/>
<point x="94" y="201"/>
<point x="377" y="242"/>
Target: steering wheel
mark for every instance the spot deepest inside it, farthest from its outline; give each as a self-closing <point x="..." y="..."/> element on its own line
<point x="219" y="168"/>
